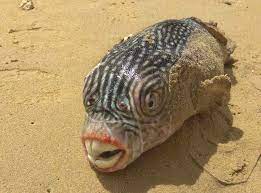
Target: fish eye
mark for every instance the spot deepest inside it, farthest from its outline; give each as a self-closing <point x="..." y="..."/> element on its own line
<point x="123" y="104"/>
<point x="151" y="104"/>
<point x="91" y="100"/>
<point x="152" y="100"/>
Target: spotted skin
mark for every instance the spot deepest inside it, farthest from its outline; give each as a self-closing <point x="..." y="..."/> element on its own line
<point x="128" y="91"/>
<point x="147" y="54"/>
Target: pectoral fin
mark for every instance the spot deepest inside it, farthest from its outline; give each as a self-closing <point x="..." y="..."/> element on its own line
<point x="214" y="92"/>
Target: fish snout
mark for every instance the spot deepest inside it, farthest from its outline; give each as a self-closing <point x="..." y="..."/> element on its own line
<point x="103" y="155"/>
<point x="109" y="149"/>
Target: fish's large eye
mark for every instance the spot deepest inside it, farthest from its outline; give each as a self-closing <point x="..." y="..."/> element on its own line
<point x="91" y="100"/>
<point x="150" y="95"/>
<point x="152" y="101"/>
<point x="123" y="104"/>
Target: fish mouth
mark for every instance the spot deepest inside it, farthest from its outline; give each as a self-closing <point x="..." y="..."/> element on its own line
<point x="105" y="153"/>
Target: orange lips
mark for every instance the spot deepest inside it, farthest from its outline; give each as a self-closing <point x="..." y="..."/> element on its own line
<point x="106" y="139"/>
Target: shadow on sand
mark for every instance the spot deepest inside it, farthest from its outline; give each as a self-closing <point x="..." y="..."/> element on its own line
<point x="228" y="68"/>
<point x="173" y="162"/>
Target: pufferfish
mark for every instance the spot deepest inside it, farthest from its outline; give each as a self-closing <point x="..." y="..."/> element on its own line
<point x="146" y="86"/>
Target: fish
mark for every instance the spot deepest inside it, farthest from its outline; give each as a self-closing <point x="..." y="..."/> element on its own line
<point x="143" y="90"/>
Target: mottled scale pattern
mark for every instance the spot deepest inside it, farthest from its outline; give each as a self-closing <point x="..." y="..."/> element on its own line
<point x="168" y="36"/>
<point x="148" y="55"/>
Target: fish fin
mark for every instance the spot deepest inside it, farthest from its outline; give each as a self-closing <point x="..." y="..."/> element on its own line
<point x="214" y="92"/>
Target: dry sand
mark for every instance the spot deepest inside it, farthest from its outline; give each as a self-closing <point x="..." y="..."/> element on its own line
<point x="44" y="55"/>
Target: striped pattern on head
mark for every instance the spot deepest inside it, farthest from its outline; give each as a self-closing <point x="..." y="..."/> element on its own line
<point x="130" y="84"/>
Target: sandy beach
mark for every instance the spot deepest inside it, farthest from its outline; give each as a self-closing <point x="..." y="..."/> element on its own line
<point x="45" y="54"/>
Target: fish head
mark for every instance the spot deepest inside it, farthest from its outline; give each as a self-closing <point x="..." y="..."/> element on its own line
<point x="126" y="114"/>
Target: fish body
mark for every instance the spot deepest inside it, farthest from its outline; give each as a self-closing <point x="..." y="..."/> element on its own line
<point x="146" y="86"/>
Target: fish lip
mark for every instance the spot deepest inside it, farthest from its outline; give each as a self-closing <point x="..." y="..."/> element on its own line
<point x="120" y="164"/>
